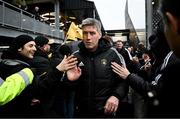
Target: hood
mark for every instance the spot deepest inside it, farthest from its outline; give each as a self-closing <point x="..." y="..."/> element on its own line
<point x="9" y="54"/>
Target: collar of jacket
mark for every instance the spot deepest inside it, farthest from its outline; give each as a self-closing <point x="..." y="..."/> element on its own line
<point x="13" y="62"/>
<point x="39" y="52"/>
<point x="15" y="56"/>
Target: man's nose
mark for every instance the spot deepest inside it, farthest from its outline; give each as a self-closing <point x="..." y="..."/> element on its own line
<point x="34" y="48"/>
<point x="88" y="36"/>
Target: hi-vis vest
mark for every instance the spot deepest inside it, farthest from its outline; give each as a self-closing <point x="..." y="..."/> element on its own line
<point x="14" y="85"/>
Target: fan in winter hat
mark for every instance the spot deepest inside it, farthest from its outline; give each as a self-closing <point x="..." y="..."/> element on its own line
<point x="20" y="41"/>
<point x="41" y="40"/>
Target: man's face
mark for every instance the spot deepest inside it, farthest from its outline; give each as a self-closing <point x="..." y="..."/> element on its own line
<point x="91" y="37"/>
<point x="46" y="48"/>
<point x="119" y="45"/>
<point x="28" y="50"/>
<point x="37" y="8"/>
<point x="173" y="37"/>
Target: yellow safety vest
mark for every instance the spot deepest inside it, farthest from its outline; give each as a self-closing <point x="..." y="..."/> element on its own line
<point x="14" y="85"/>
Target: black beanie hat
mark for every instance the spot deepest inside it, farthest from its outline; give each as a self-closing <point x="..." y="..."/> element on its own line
<point x="41" y="40"/>
<point x="20" y="41"/>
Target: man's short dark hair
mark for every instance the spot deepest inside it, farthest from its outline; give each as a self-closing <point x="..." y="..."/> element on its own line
<point x="41" y="40"/>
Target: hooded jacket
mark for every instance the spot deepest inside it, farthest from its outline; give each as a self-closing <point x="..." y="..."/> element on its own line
<point x="20" y="105"/>
<point x="98" y="82"/>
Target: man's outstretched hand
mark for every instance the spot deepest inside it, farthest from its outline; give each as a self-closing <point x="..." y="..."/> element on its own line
<point x="74" y="73"/>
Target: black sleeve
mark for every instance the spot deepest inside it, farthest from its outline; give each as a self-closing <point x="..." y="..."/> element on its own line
<point x="43" y="87"/>
<point x="139" y="84"/>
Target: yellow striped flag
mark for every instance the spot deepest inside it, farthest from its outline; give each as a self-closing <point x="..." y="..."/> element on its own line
<point x="74" y="32"/>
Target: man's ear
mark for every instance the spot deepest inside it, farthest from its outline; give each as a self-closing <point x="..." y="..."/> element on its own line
<point x="20" y="49"/>
<point x="173" y="22"/>
<point x="100" y="35"/>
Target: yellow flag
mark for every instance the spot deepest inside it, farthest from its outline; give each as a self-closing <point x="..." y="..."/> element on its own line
<point x="74" y="32"/>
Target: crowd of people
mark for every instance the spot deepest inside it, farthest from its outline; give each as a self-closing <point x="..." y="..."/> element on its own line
<point x="93" y="78"/>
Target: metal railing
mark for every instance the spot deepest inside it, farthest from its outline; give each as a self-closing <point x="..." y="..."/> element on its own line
<point x="19" y="19"/>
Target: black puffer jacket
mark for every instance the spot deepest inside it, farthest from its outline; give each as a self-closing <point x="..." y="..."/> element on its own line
<point x="98" y="82"/>
<point x="20" y="106"/>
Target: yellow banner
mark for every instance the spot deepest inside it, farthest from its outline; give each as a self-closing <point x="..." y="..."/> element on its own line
<point x="74" y="32"/>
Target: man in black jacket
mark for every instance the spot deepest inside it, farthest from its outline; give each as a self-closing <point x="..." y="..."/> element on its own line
<point x="123" y="51"/>
<point x="41" y="63"/>
<point x="21" y="52"/>
<point x="41" y="60"/>
<point x="160" y="93"/>
<point x="99" y="90"/>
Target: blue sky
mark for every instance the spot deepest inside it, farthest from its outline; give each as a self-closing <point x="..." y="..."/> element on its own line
<point x="111" y="13"/>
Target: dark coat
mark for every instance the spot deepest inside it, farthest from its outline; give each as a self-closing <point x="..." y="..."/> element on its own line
<point x="98" y="82"/>
<point x="40" y="62"/>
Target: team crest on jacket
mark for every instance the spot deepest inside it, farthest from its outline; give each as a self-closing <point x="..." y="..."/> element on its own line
<point x="103" y="61"/>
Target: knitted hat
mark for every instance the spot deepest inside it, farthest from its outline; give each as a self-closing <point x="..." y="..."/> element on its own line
<point x="41" y="40"/>
<point x="20" y="41"/>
